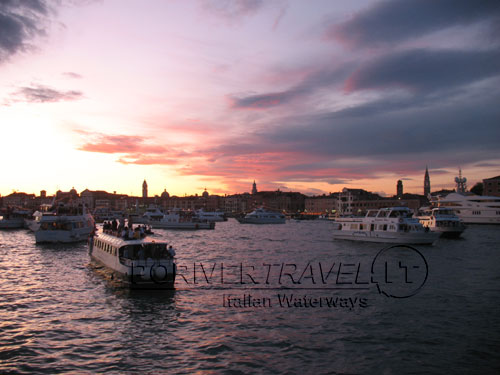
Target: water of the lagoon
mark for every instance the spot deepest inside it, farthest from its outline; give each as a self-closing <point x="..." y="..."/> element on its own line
<point x="60" y="315"/>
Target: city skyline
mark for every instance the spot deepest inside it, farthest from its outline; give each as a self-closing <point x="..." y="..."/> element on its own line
<point x="216" y="94"/>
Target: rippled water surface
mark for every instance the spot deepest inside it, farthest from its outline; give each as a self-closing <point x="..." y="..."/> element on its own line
<point x="58" y="314"/>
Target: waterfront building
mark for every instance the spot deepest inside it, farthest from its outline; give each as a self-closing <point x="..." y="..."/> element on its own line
<point x="322" y="204"/>
<point x="348" y="196"/>
<point x="491" y="186"/>
<point x="279" y="201"/>
<point x="427" y="183"/>
<point x="103" y="199"/>
<point x="18" y="200"/>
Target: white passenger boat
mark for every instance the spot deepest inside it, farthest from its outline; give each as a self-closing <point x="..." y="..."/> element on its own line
<point x="441" y="220"/>
<point x="137" y="263"/>
<point x="13" y="219"/>
<point x="215" y="216"/>
<point x="175" y="220"/>
<point x="470" y="208"/>
<point x="388" y="225"/>
<point x="65" y="225"/>
<point x="263" y="216"/>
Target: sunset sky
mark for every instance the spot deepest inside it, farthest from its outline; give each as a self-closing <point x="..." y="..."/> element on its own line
<point x="308" y="96"/>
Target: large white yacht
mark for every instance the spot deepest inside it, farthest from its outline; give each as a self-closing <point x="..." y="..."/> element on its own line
<point x="263" y="216"/>
<point x="389" y="225"/>
<point x="441" y="220"/>
<point x="65" y="225"/>
<point x="470" y="208"/>
<point x="175" y="220"/>
<point x="137" y="263"/>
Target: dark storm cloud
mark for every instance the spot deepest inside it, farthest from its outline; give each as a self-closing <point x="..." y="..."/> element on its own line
<point x="395" y="20"/>
<point x="426" y="70"/>
<point x="322" y="77"/>
<point x="44" y="94"/>
<point x="460" y="126"/>
<point x="20" y="22"/>
<point x="262" y="101"/>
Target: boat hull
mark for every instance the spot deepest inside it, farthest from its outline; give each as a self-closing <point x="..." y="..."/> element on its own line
<point x="11" y="223"/>
<point x="246" y="220"/>
<point x="63" y="236"/>
<point x="183" y="225"/>
<point x="426" y="238"/>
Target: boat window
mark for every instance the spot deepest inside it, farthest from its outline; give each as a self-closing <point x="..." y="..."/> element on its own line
<point x="394" y="214"/>
<point x="385" y="226"/>
<point x="371" y="214"/>
<point x="131" y="252"/>
<point x="155" y="251"/>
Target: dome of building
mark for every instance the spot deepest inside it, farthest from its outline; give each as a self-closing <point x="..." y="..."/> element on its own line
<point x="165" y="194"/>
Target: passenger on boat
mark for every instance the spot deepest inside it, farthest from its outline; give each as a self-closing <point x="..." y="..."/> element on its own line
<point x="141" y="254"/>
<point x="114" y="225"/>
<point x="121" y="224"/>
<point x="171" y="251"/>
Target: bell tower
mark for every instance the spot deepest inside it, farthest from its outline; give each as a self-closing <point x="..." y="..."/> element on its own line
<point x="144" y="189"/>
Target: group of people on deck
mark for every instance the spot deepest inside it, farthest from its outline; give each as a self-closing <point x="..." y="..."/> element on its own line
<point x="127" y="232"/>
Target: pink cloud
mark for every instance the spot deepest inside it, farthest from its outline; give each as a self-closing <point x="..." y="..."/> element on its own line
<point x="118" y="144"/>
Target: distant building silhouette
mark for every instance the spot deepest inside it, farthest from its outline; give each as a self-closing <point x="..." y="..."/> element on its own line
<point x="254" y="188"/>
<point x="399" y="189"/>
<point x="427" y="183"/>
<point x="144" y="190"/>
<point x="165" y="194"/>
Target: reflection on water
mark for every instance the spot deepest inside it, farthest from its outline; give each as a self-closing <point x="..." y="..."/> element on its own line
<point x="60" y="314"/>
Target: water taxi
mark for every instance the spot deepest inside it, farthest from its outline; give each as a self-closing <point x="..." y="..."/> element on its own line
<point x="263" y="216"/>
<point x="138" y="263"/>
<point x="441" y="220"/>
<point x="65" y="225"/>
<point x="387" y="225"/>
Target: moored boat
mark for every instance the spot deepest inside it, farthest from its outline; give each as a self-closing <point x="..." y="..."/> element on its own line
<point x="138" y="263"/>
<point x="263" y="216"/>
<point x="175" y="220"/>
<point x="215" y="216"/>
<point x="441" y="220"/>
<point x="387" y="225"/>
<point x="471" y="208"/>
<point x="13" y="219"/>
<point x="65" y="225"/>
